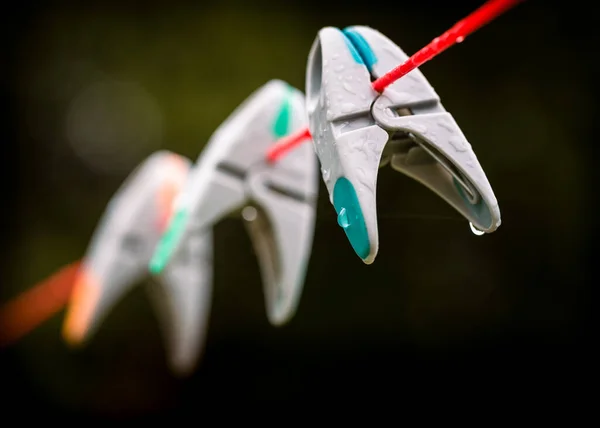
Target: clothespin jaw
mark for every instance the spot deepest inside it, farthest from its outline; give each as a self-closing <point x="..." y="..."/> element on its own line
<point x="276" y="201"/>
<point x="118" y="257"/>
<point x="356" y="131"/>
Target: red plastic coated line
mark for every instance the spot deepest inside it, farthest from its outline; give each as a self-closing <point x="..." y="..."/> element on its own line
<point x="286" y="144"/>
<point x="482" y="16"/>
<point x="31" y="308"/>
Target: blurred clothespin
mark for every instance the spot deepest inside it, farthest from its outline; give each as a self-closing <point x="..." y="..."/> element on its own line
<point x="276" y="201"/>
<point x="118" y="258"/>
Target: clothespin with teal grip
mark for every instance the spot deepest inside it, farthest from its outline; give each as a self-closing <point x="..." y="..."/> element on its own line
<point x="356" y="131"/>
<point x="276" y="201"/>
<point x="118" y="257"/>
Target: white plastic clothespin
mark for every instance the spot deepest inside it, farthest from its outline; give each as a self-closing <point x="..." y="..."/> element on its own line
<point x="357" y="130"/>
<point x="118" y="258"/>
<point x="277" y="201"/>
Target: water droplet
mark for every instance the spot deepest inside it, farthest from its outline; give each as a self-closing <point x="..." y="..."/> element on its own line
<point x="458" y="144"/>
<point x="339" y="68"/>
<point x="459" y="39"/>
<point x="473" y="229"/>
<point x="335" y="56"/>
<point x="343" y="219"/>
<point x="348" y="107"/>
<point x="326" y="174"/>
<point x="249" y="213"/>
<point x="348" y="88"/>
<point x="447" y="126"/>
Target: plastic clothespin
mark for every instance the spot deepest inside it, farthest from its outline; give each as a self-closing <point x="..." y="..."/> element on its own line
<point x="357" y="130"/>
<point x="277" y="201"/>
<point x="118" y="258"/>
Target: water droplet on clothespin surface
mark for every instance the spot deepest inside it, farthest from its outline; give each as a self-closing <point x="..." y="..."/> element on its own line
<point x="249" y="213"/>
<point x="343" y="219"/>
<point x="475" y="230"/>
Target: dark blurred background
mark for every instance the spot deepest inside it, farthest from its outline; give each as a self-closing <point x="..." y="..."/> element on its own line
<point x="94" y="87"/>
